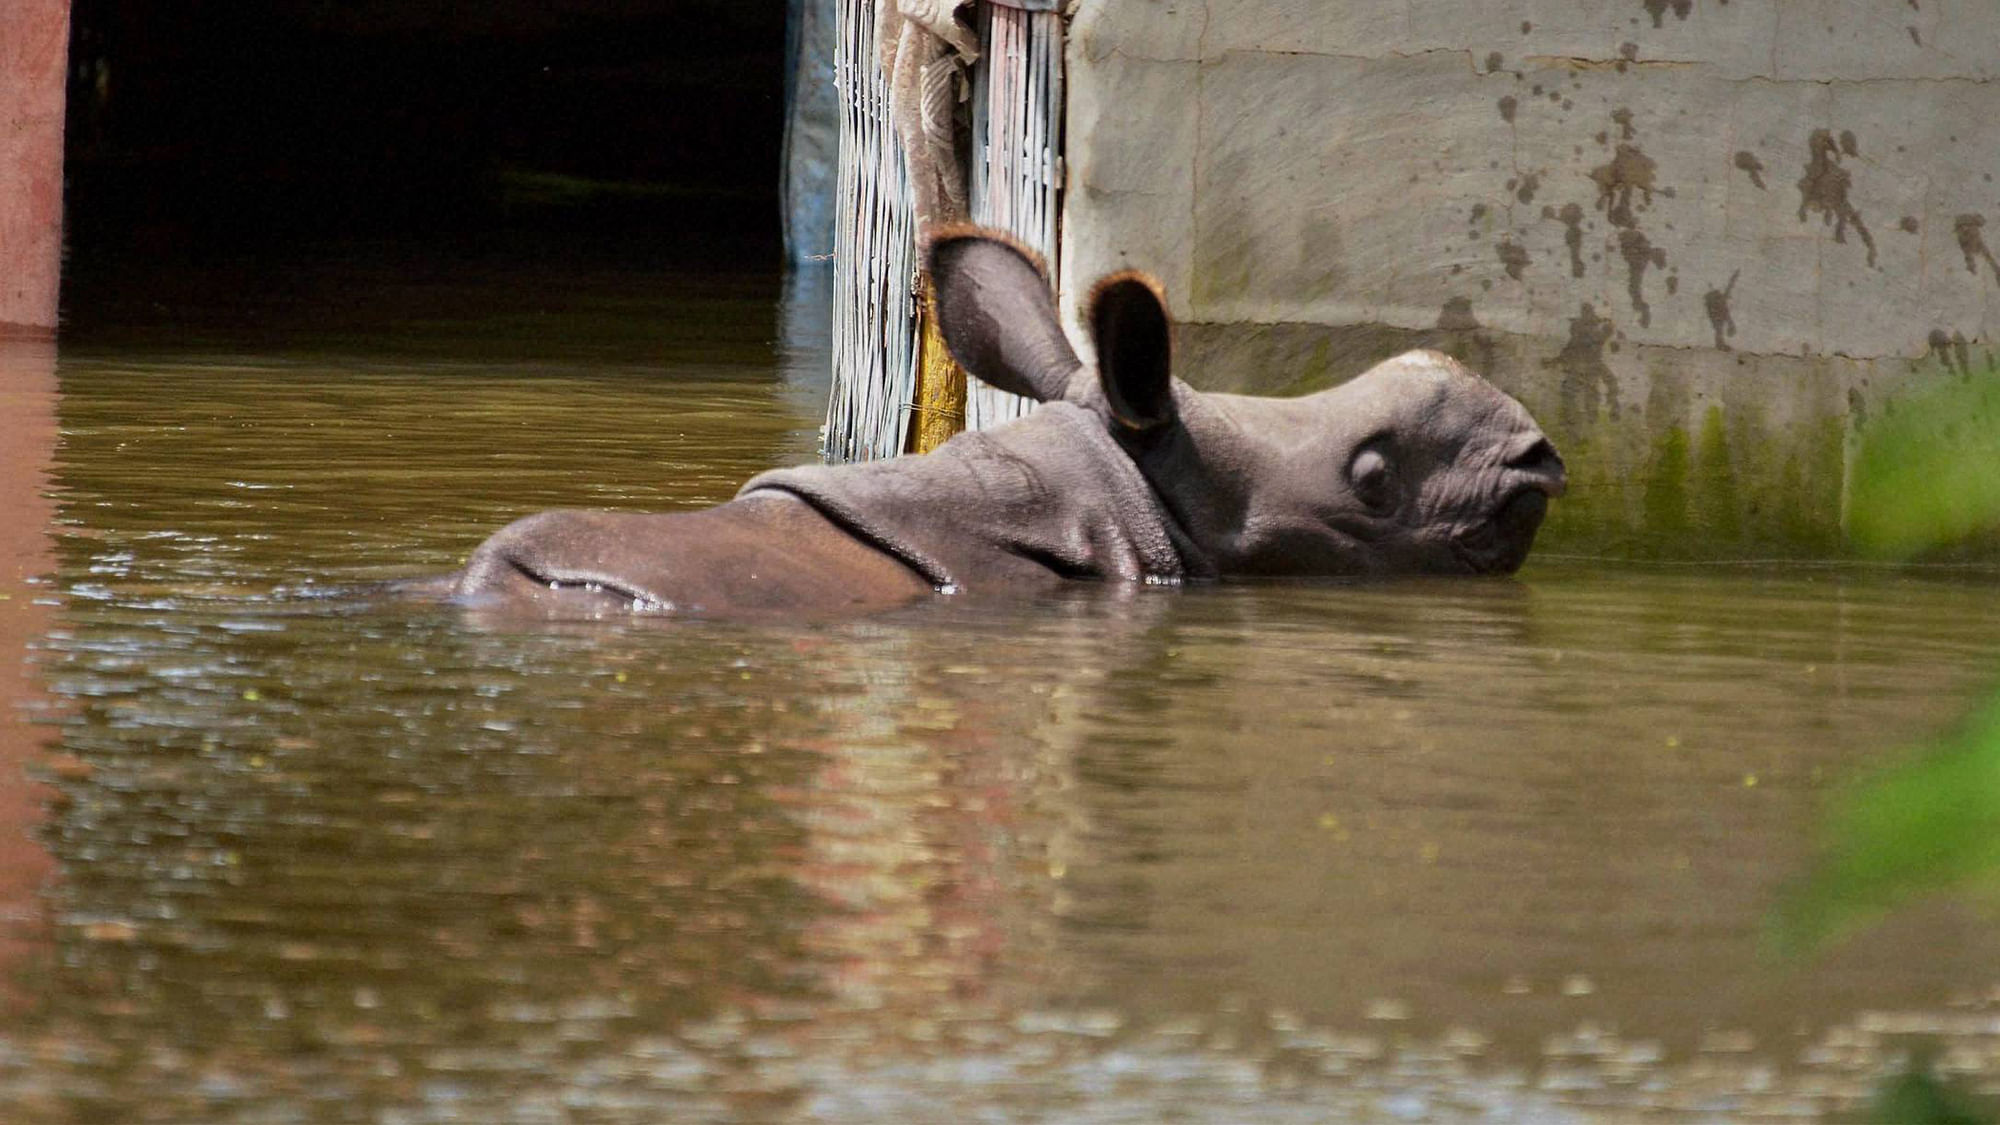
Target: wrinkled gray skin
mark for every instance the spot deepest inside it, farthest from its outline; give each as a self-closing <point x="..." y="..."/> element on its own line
<point x="1125" y="473"/>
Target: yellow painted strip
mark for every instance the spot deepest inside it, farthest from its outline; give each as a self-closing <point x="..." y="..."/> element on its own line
<point x="940" y="405"/>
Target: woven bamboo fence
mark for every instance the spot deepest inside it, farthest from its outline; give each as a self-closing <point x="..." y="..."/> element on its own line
<point x="1017" y="170"/>
<point x="874" y="325"/>
<point x="1016" y="178"/>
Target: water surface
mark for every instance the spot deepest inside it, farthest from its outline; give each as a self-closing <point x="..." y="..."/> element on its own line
<point x="1423" y="851"/>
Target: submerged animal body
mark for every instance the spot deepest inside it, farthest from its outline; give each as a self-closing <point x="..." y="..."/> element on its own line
<point x="1123" y="473"/>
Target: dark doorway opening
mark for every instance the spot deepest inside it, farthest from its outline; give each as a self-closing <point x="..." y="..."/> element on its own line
<point x="214" y="145"/>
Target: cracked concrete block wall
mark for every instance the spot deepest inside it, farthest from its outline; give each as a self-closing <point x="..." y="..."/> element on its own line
<point x="1702" y="239"/>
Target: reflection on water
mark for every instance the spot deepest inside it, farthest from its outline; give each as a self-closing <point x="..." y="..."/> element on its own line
<point x="27" y="442"/>
<point x="1426" y="851"/>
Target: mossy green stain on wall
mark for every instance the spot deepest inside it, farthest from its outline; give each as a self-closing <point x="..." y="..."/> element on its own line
<point x="1736" y="487"/>
<point x="1807" y="504"/>
<point x="1318" y="368"/>
<point x="1715" y="502"/>
<point x="1666" y="523"/>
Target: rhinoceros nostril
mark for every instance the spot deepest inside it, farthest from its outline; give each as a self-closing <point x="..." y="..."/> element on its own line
<point x="1541" y="462"/>
<point x="1538" y="456"/>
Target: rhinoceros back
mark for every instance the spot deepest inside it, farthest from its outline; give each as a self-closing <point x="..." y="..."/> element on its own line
<point x="1051" y="495"/>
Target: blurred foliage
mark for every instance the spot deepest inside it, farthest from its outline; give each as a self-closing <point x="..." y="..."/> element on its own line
<point x="1927" y="477"/>
<point x="1928" y="472"/>
<point x="1930" y="825"/>
<point x="1918" y="1097"/>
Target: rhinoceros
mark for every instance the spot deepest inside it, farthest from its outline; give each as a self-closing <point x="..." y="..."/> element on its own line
<point x="1122" y="473"/>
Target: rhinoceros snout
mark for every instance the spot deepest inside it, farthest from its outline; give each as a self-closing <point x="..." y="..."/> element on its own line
<point x="1499" y="544"/>
<point x="1540" y="468"/>
<point x="1520" y="517"/>
<point x="1532" y="475"/>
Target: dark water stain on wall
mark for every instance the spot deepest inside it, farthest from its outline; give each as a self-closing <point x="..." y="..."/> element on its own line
<point x="1625" y="186"/>
<point x="1909" y="225"/>
<point x="1587" y="384"/>
<point x="1508" y="107"/>
<point x="1954" y="351"/>
<point x="1748" y="162"/>
<point x="1826" y="186"/>
<point x="1629" y="171"/>
<point x="1530" y="184"/>
<point x="1972" y="242"/>
<point x="1571" y="217"/>
<point x="1461" y="336"/>
<point x="1716" y="301"/>
<point x="1639" y="254"/>
<point x="1513" y="258"/>
<point x="1658" y="9"/>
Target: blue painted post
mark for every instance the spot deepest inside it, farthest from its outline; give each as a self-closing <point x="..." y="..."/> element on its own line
<point x="812" y="130"/>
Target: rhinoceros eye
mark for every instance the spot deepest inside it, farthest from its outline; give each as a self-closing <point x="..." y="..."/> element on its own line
<point x="1370" y="478"/>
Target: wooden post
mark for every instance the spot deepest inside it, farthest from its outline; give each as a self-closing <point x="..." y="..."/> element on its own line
<point x="34" y="60"/>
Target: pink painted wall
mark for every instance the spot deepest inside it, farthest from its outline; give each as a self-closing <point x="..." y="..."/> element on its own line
<point x="34" y="52"/>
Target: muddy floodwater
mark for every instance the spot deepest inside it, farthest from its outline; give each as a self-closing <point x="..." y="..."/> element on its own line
<point x="1433" y="851"/>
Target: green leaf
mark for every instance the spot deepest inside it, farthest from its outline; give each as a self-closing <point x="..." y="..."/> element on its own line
<point x="1932" y="825"/>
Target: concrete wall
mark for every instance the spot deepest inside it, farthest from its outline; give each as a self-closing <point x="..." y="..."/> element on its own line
<point x="1702" y="239"/>
<point x="34" y="49"/>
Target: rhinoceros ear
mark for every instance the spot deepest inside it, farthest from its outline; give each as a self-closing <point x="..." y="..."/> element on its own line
<point x="996" y="312"/>
<point x="1134" y="338"/>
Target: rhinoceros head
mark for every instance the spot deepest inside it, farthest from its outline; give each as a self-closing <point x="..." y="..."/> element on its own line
<point x="1417" y="466"/>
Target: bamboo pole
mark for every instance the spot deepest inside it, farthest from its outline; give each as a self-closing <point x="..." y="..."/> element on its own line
<point x="939" y="407"/>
